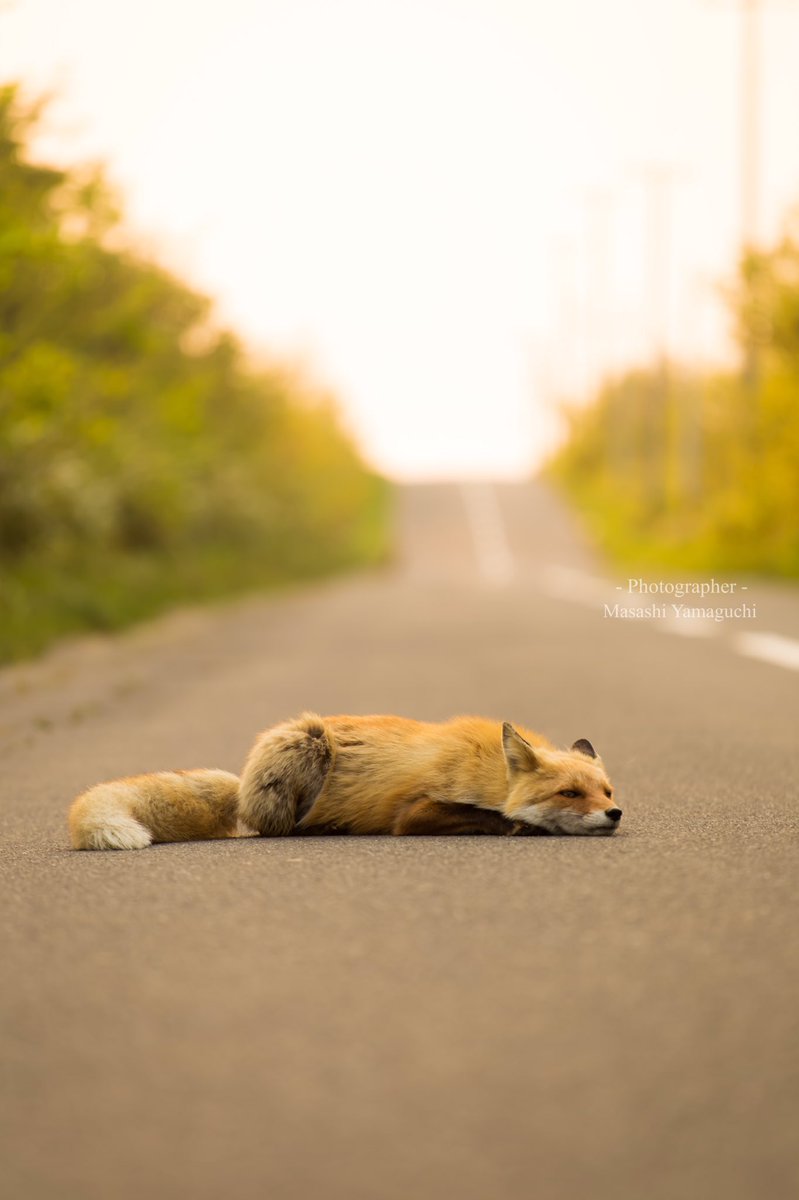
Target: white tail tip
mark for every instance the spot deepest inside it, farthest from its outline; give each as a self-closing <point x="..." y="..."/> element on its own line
<point x="117" y="832"/>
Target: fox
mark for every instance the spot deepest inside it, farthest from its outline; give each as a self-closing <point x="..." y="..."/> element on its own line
<point x="316" y="775"/>
<point x="394" y="775"/>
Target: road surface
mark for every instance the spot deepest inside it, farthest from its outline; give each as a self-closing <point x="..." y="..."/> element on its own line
<point x="377" y="1018"/>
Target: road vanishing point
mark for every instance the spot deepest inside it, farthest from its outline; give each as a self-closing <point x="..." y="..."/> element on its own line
<point x="400" y="1018"/>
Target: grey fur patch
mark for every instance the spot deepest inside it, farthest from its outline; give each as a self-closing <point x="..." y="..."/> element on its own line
<point x="284" y="775"/>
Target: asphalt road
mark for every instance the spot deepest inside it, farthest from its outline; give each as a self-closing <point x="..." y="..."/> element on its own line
<point x="377" y="1018"/>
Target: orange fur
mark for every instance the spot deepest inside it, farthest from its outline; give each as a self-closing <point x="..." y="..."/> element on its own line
<point x="168" y="806"/>
<point x="362" y="775"/>
<point x="374" y="766"/>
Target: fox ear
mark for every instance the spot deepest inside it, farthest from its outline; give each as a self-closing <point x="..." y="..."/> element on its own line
<point x="584" y="747"/>
<point x="519" y="754"/>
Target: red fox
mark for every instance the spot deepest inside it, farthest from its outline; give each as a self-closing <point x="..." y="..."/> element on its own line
<point x="392" y="775"/>
<point x="360" y="775"/>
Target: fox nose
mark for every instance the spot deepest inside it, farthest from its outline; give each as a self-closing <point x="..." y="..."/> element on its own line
<point x="613" y="813"/>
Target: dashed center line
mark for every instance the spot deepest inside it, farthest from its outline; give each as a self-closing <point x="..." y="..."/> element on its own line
<point x="770" y="648"/>
<point x="491" y="546"/>
<point x="570" y="583"/>
<point x="691" y="627"/>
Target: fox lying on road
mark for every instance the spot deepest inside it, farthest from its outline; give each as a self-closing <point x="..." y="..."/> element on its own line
<point x="389" y="775"/>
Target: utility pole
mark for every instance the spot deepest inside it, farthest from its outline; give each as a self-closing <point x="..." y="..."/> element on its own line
<point x="751" y="165"/>
<point x="570" y="375"/>
<point x="659" y="180"/>
<point x="750" y="123"/>
<point x="751" y="150"/>
<point x="598" y="301"/>
<point x="750" y="157"/>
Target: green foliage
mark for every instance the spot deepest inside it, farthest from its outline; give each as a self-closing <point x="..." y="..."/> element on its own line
<point x="142" y="459"/>
<point x="680" y="469"/>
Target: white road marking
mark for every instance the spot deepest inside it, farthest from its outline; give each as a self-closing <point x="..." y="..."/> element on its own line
<point x="688" y="626"/>
<point x="491" y="547"/>
<point x="580" y="587"/>
<point x="570" y="583"/>
<point x="770" y="647"/>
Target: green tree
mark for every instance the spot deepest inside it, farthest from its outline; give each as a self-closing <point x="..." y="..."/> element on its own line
<point x="142" y="458"/>
<point x="703" y="474"/>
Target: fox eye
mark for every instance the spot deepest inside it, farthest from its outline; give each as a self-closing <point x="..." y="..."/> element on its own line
<point x="570" y="794"/>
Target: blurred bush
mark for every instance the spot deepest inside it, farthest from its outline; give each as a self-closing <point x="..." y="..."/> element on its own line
<point x="143" y="460"/>
<point x="701" y="470"/>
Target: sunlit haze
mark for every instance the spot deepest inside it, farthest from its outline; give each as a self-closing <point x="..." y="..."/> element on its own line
<point x="445" y="207"/>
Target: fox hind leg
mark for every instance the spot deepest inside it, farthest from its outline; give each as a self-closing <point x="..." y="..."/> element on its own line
<point x="435" y="817"/>
<point x="284" y="774"/>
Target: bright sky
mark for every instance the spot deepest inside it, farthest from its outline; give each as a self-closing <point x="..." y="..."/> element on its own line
<point x="440" y="205"/>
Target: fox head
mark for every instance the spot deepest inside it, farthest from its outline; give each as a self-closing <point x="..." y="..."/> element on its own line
<point x="558" y="791"/>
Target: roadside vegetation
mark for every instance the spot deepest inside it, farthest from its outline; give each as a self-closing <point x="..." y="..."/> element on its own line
<point x="144" y="460"/>
<point x="684" y="469"/>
